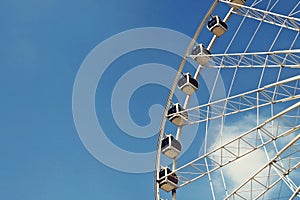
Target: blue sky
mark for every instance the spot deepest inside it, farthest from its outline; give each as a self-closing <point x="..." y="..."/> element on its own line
<point x="43" y="44"/>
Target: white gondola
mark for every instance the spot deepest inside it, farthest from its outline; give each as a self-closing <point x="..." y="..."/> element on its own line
<point x="177" y="115"/>
<point x="187" y="84"/>
<point x="217" y="26"/>
<point x="169" y="182"/>
<point x="170" y="147"/>
<point x="200" y="54"/>
<point x="240" y="2"/>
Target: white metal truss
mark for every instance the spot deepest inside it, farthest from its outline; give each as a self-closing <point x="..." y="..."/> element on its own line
<point x="295" y="194"/>
<point x="266" y="178"/>
<point x="240" y="146"/>
<point x="268" y="17"/>
<point x="282" y="91"/>
<point x="284" y="58"/>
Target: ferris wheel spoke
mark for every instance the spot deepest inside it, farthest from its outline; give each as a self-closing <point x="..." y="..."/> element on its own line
<point x="268" y="17"/>
<point x="240" y="146"/>
<point x="284" y="58"/>
<point x="266" y="178"/>
<point x="282" y="91"/>
<point x="295" y="194"/>
<point x="197" y="168"/>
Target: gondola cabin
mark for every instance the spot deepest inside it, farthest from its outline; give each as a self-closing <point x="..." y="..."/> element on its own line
<point x="200" y="54"/>
<point x="169" y="182"/>
<point x="187" y="84"/>
<point x="170" y="147"/>
<point x="240" y="2"/>
<point x="217" y="26"/>
<point x="177" y="115"/>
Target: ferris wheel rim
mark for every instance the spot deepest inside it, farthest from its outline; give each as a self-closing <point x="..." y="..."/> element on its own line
<point x="171" y="93"/>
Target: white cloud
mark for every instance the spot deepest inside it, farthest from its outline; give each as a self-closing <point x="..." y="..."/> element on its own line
<point x="242" y="169"/>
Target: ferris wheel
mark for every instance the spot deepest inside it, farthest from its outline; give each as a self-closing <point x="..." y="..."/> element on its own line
<point x="251" y="145"/>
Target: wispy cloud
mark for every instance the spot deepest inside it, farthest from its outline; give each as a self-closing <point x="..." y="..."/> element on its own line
<point x="240" y="170"/>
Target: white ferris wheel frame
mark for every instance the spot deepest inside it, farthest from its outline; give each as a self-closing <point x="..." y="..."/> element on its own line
<point x="281" y="91"/>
